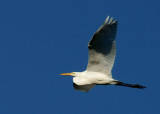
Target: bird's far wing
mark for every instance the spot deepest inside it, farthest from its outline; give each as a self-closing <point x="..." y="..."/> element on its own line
<point x="102" y="48"/>
<point x="84" y="88"/>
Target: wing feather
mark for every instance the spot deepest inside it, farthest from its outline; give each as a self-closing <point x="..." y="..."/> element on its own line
<point x="102" y="47"/>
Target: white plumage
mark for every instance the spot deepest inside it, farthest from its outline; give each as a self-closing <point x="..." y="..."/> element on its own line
<point x="102" y="51"/>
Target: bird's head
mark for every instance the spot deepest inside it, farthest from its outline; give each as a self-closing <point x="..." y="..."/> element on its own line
<point x="69" y="74"/>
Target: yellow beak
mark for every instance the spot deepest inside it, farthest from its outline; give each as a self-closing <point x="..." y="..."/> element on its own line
<point x="68" y="74"/>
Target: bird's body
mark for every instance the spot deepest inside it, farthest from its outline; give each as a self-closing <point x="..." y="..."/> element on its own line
<point x="102" y="52"/>
<point x="89" y="77"/>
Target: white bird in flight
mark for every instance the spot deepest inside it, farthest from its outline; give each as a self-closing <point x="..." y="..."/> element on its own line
<point x="102" y="51"/>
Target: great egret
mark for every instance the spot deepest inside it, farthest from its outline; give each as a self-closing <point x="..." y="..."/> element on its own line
<point x="102" y="51"/>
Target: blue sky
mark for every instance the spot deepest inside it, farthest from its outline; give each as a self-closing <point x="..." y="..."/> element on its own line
<point x="41" y="39"/>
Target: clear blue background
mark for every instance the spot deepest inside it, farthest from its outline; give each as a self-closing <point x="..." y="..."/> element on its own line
<point x="41" y="39"/>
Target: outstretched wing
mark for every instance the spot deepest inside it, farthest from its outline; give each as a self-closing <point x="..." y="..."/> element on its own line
<point x="102" y="48"/>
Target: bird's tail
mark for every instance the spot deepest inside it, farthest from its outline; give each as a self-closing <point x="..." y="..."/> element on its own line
<point x="118" y="83"/>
